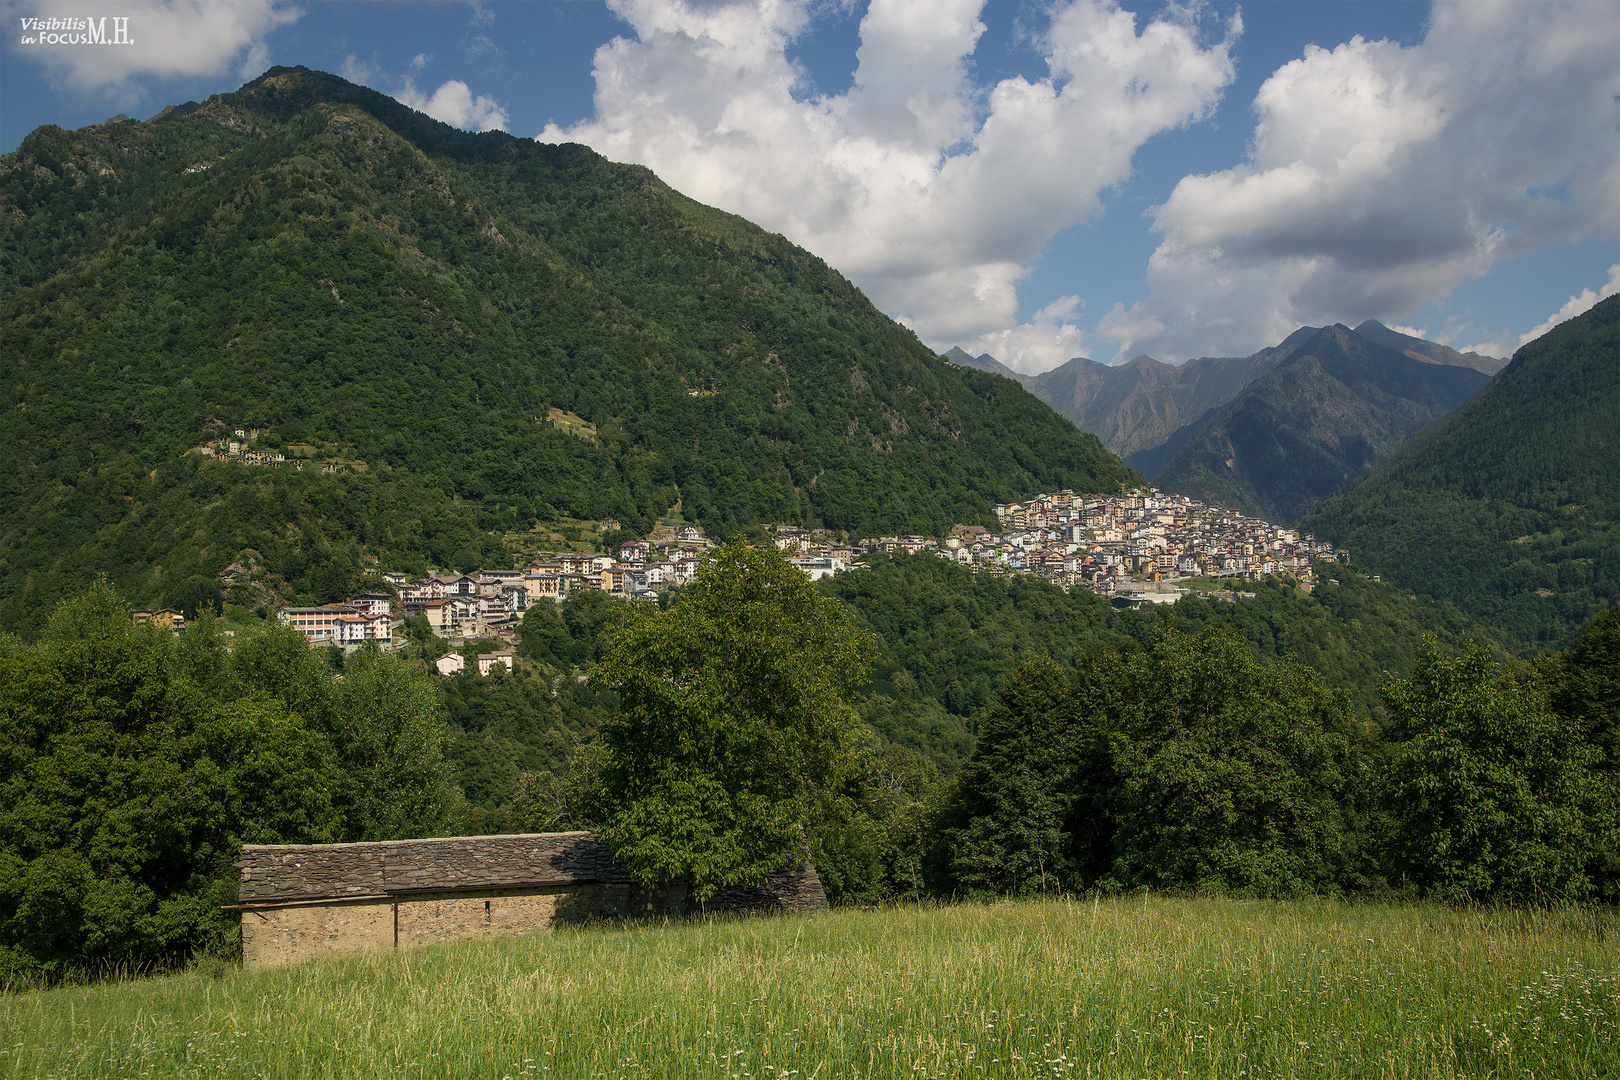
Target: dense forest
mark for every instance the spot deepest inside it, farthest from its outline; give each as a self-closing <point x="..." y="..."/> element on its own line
<point x="472" y="332"/>
<point x="135" y="763"/>
<point x="1507" y="507"/>
<point x="1186" y="749"/>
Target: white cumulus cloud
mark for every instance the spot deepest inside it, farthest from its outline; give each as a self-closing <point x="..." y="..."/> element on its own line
<point x="171" y="39"/>
<point x="1048" y="339"/>
<point x="1381" y="176"/>
<point x="933" y="194"/>
<point x="454" y="103"/>
<point x="1580" y="304"/>
<point x="364" y="72"/>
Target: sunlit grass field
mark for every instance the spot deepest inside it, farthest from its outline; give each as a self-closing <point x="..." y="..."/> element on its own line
<point x="1142" y="987"/>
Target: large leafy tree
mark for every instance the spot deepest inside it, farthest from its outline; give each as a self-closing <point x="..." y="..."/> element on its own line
<point x="1185" y="764"/>
<point x="125" y="790"/>
<point x="1495" y="794"/>
<point x="735" y="711"/>
<point x="1016" y="793"/>
<point x="134" y="765"/>
<point x="1588" y="697"/>
<point x="1233" y="773"/>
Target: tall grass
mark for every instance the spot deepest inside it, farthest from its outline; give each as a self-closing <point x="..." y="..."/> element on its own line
<point x="1123" y="988"/>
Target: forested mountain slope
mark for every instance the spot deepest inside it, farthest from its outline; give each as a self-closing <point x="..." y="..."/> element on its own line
<point x="412" y="304"/>
<point x="947" y="637"/>
<point x="1508" y="506"/>
<point x="1330" y="413"/>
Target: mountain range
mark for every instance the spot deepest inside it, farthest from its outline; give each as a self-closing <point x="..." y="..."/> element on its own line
<point x="1323" y="418"/>
<point x="1272" y="433"/>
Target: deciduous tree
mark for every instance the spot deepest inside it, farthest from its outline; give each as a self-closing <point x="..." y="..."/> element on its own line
<point x="735" y="705"/>
<point x="1494" y="795"/>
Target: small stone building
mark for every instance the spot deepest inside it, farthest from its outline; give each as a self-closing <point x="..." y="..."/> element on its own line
<point x="304" y="900"/>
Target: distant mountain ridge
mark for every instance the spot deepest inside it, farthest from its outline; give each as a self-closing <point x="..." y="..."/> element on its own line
<point x="1330" y="413"/>
<point x="985" y="362"/>
<point x="1137" y="405"/>
<point x="1429" y="352"/>
<point x="1296" y="437"/>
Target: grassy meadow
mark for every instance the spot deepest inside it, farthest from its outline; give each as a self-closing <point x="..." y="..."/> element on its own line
<point x="1141" y="987"/>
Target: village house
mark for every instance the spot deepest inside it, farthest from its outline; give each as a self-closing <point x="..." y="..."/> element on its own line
<point x="488" y="662"/>
<point x="414" y="596"/>
<point x="372" y="603"/>
<point x="338" y="624"/>
<point x="819" y="568"/>
<point x="165" y="619"/>
<point x="437" y="613"/>
<point x="453" y="616"/>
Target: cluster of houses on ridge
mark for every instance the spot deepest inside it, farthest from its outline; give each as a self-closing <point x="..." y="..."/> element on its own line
<point x="1132" y="545"/>
<point x="491" y="603"/>
<point x="1136" y="542"/>
<point x="238" y="447"/>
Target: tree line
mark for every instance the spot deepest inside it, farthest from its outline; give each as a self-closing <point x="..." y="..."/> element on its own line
<point x="134" y="764"/>
<point x="736" y="723"/>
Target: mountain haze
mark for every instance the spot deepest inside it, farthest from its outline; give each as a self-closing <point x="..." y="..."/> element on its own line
<point x="473" y="332"/>
<point x="1137" y="406"/>
<point x="1141" y="403"/>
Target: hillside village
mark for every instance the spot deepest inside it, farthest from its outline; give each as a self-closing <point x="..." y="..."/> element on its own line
<point x="1134" y="547"/>
<point x="238" y="446"/>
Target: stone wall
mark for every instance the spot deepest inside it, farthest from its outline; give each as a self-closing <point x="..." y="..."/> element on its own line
<point x="283" y="935"/>
<point x="306" y="900"/>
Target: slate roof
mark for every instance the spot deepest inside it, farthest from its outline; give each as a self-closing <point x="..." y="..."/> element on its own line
<point x="274" y="873"/>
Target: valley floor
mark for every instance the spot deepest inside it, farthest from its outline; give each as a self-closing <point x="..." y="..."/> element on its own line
<point x="1141" y="987"/>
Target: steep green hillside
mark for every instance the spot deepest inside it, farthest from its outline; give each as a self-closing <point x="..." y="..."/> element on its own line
<point x="1324" y="418"/>
<point x="1508" y="506"/>
<point x="408" y="304"/>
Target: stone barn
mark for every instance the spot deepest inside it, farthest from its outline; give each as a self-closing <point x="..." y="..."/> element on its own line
<point x="304" y="900"/>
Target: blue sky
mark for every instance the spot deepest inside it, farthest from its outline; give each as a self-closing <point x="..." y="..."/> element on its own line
<point x="1035" y="180"/>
